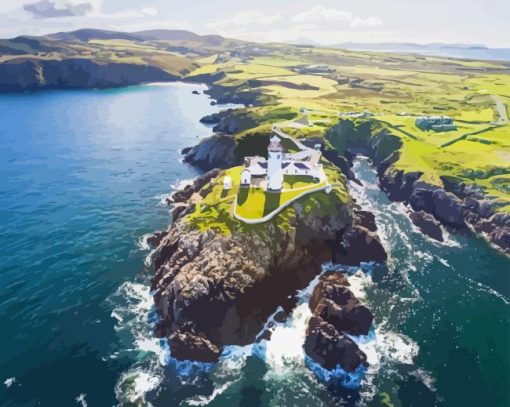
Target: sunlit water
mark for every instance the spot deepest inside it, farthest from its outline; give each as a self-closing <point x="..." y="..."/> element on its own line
<point x="83" y="175"/>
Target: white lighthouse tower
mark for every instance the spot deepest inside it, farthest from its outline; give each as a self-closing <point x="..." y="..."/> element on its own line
<point x="274" y="165"/>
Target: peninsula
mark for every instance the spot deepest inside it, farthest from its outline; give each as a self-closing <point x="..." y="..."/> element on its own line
<point x="273" y="204"/>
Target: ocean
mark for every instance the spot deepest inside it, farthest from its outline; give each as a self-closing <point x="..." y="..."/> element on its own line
<point x="84" y="175"/>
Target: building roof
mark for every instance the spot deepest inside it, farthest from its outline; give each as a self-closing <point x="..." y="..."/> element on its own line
<point x="301" y="166"/>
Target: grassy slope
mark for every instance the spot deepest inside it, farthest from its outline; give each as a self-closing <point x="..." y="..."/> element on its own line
<point x="396" y="88"/>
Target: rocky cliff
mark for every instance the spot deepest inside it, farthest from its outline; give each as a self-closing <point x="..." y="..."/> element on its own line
<point x="455" y="204"/>
<point x="33" y="74"/>
<point x="214" y="289"/>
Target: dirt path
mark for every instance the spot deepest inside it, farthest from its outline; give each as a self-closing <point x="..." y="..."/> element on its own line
<point x="501" y="108"/>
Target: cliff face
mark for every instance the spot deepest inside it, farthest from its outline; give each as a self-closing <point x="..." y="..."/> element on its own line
<point x="32" y="74"/>
<point x="214" y="289"/>
<point x="454" y="204"/>
<point x="219" y="290"/>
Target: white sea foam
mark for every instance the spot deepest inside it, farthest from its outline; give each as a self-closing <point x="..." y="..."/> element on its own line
<point x="205" y="400"/>
<point x="9" y="382"/>
<point x="182" y="184"/>
<point x="143" y="243"/>
<point x="163" y="199"/>
<point x="80" y="399"/>
<point x="135" y="384"/>
<point x="284" y="351"/>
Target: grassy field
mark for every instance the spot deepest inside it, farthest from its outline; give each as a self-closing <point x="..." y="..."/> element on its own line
<point x="285" y="81"/>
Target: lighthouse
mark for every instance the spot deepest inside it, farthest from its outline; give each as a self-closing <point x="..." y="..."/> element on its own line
<point x="274" y="165"/>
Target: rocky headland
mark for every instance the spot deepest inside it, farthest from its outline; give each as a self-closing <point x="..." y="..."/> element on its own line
<point x="214" y="289"/>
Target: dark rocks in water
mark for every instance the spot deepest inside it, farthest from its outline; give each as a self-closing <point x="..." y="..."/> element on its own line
<point x="187" y="345"/>
<point x="366" y="219"/>
<point x="335" y="303"/>
<point x="427" y="224"/>
<point x="333" y="287"/>
<point x="360" y="243"/>
<point x="184" y="194"/>
<point x="445" y="206"/>
<point x="327" y="347"/>
<point x="500" y="236"/>
<point x="196" y="92"/>
<point x="216" y="151"/>
<point x="336" y="311"/>
<point x="155" y="238"/>
<point x="186" y="150"/>
<point x="213" y="118"/>
<point x="352" y="318"/>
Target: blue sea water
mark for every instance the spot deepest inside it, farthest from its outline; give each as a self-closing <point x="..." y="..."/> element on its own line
<point x="82" y="176"/>
<point x="81" y="179"/>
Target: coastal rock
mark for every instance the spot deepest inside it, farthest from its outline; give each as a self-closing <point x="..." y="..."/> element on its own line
<point x="427" y="224"/>
<point x="335" y="303"/>
<point x="155" y="238"/>
<point x="398" y="184"/>
<point x="222" y="288"/>
<point x="184" y="194"/>
<point x="327" y="347"/>
<point x="216" y="151"/>
<point x="447" y="208"/>
<point x="360" y="243"/>
<point x="336" y="311"/>
<point x="31" y="74"/>
<point x="186" y="345"/>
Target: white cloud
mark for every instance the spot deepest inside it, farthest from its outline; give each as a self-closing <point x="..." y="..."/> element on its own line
<point x="322" y="14"/>
<point x="319" y="13"/>
<point x="366" y="22"/>
<point x="243" y="19"/>
<point x="150" y="11"/>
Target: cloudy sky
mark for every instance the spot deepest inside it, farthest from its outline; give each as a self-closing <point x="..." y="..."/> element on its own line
<point x="325" y="21"/>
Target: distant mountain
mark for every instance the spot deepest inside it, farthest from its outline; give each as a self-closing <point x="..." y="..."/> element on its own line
<point x="472" y="51"/>
<point x="87" y="34"/>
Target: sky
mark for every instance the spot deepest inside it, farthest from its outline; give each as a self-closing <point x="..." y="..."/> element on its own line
<point x="324" y="22"/>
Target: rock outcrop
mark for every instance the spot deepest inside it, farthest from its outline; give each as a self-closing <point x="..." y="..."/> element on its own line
<point x="360" y="243"/>
<point x="336" y="312"/>
<point x="214" y="289"/>
<point x="217" y="151"/>
<point x="427" y="224"/>
<point x="219" y="290"/>
<point x="455" y="204"/>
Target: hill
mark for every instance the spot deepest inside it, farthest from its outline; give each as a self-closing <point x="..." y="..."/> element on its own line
<point x="348" y="99"/>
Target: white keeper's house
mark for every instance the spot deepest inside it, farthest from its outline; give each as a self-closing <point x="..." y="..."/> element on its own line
<point x="278" y="165"/>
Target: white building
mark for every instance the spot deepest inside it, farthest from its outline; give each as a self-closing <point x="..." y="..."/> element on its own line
<point x="227" y="183"/>
<point x="258" y="171"/>
<point x="274" y="165"/>
<point x="245" y="177"/>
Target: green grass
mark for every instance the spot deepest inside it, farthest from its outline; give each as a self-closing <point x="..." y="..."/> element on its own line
<point x="255" y="203"/>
